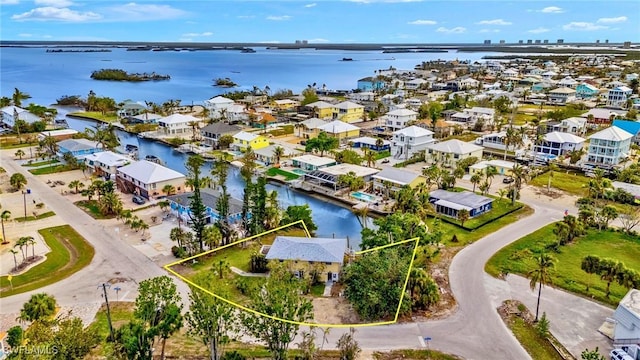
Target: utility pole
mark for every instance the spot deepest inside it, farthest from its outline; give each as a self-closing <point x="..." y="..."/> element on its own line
<point x="106" y="300"/>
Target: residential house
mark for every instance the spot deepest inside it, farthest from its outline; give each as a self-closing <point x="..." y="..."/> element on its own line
<point x="549" y="75"/>
<point x="11" y="113"/>
<point x="411" y="141"/>
<point x="626" y="331"/>
<point x="559" y="143"/>
<point x="390" y="180"/>
<point x="541" y="86"/>
<point x="468" y="83"/>
<point x="340" y="130"/>
<point x="398" y="119"/>
<point x="415" y="84"/>
<point x="284" y="105"/>
<point x="243" y="140"/>
<point x="312" y="162"/>
<point x="322" y="257"/>
<point x="632" y="127"/>
<point x="572" y="125"/>
<point x="441" y="130"/>
<point x="366" y="142"/>
<point x="180" y="206"/>
<point x="147" y="179"/>
<point x="587" y="91"/>
<point x="493" y="140"/>
<point x="631" y="77"/>
<point x="618" y="96"/>
<point x="448" y="153"/>
<point x="178" y="124"/>
<point x="106" y="163"/>
<point x="371" y="84"/>
<point x="145" y="118"/>
<point x="601" y="115"/>
<point x="322" y="109"/>
<point x="212" y="133"/>
<point x="349" y="112"/>
<point x="235" y="113"/>
<point x="608" y="147"/>
<point x="329" y="176"/>
<point x="390" y="99"/>
<point x="413" y="103"/>
<point x="79" y="148"/>
<point x="130" y="108"/>
<point x="263" y="120"/>
<point x="568" y="82"/>
<point x="562" y="95"/>
<point x="310" y="128"/>
<point x="462" y="118"/>
<point x="502" y="167"/>
<point x="218" y="106"/>
<point x="362" y="96"/>
<point x="449" y="203"/>
<point x="61" y="134"/>
<point x="478" y="113"/>
<point x="266" y="155"/>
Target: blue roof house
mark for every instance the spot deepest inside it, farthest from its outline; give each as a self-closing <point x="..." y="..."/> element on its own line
<point x="632" y="127"/>
<point x="79" y="148"/>
<point x="370" y="84"/>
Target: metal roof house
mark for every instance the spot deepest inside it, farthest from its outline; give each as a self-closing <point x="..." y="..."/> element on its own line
<point x="449" y="203"/>
<point x="147" y="179"/>
<point x="180" y="206"/>
<point x="627" y="323"/>
<point x="79" y="148"/>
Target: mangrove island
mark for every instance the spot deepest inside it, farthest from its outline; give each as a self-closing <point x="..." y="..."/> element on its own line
<point x="121" y="75"/>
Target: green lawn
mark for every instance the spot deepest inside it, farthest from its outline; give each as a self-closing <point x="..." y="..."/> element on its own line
<point x="51" y="169"/>
<point x="11" y="141"/>
<point x="32" y="218"/>
<point x="466" y="137"/>
<point x="571" y="183"/>
<point x="382" y="154"/>
<point x="91" y="208"/>
<point x="539" y="348"/>
<point x="568" y="275"/>
<point x="521" y="119"/>
<point x="121" y="313"/>
<point x="287" y="175"/>
<point x="96" y="115"/>
<point x="41" y="163"/>
<point x="500" y="207"/>
<point x="70" y="252"/>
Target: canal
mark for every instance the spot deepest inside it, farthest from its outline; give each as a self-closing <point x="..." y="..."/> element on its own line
<point x="331" y="219"/>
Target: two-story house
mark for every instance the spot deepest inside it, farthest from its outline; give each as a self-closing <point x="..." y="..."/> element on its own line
<point x="477" y="113"/>
<point x="178" y="124"/>
<point x="415" y="84"/>
<point x="11" y="113"/>
<point x="587" y="91"/>
<point x="371" y="84"/>
<point x="572" y="125"/>
<point x="340" y="130"/>
<point x="410" y="141"/>
<point x="322" y="109"/>
<point x="559" y="143"/>
<point x="398" y="119"/>
<point x="147" y="179"/>
<point x="632" y="127"/>
<point x="562" y="95"/>
<point x="608" y="147"/>
<point x="243" y="140"/>
<point x="218" y="106"/>
<point x="348" y="111"/>
<point x="212" y="133"/>
<point x="106" y="162"/>
<point x="618" y="96"/>
<point x="283" y="105"/>
<point x="448" y="153"/>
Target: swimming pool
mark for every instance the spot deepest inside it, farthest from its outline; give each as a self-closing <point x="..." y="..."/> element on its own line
<point x="364" y="196"/>
<point x="298" y="171"/>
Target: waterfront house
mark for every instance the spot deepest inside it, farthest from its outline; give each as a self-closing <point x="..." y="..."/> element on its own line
<point x="562" y="95"/>
<point x="632" y="127"/>
<point x="61" y="134"/>
<point x="245" y="140"/>
<point x="310" y="128"/>
<point x="106" y="163"/>
<point x="212" y="133"/>
<point x="626" y="332"/>
<point x="11" y="113"/>
<point x="367" y="142"/>
<point x="618" y="96"/>
<point x="340" y="130"/>
<point x="180" y="206"/>
<point x="608" y="147"/>
<point x="493" y="140"/>
<point x="602" y="115"/>
<point x="348" y="112"/>
<point x="587" y="91"/>
<point x="502" y="167"/>
<point x="130" y="108"/>
<point x="145" y="118"/>
<point x="218" y="107"/>
<point x="178" y="124"/>
<point x="311" y="162"/>
<point x="448" y="153"/>
<point x="410" y="141"/>
<point x="147" y="179"/>
<point x="266" y="155"/>
<point x="398" y="119"/>
<point x="284" y="105"/>
<point x="321" y="109"/>
<point x="79" y="148"/>
<point x="371" y="84"/>
<point x="559" y="143"/>
<point x="329" y="176"/>
<point x="322" y="257"/>
<point x="390" y="180"/>
<point x="449" y="203"/>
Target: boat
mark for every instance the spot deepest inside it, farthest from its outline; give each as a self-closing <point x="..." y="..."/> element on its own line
<point x="154" y="159"/>
<point x="131" y="148"/>
<point x="247" y="50"/>
<point x="346" y="59"/>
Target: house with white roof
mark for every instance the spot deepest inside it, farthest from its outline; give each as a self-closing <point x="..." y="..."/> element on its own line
<point x="449" y="203"/>
<point x="322" y="109"/>
<point x="340" y="130"/>
<point x="568" y="82"/>
<point x="493" y="140"/>
<point x="618" y="96"/>
<point x="218" y="106"/>
<point x="106" y="162"/>
<point x="562" y="95"/>
<point x="601" y="115"/>
<point x="348" y="111"/>
<point x="243" y="140"/>
<point x="510" y="73"/>
<point x="559" y="143"/>
<point x="478" y="113"/>
<point x="572" y="125"/>
<point x="11" y="113"/>
<point x="78" y="148"/>
<point x="329" y="176"/>
<point x="147" y="179"/>
<point x="468" y="83"/>
<point x="548" y="75"/>
<point x="448" y="153"/>
<point x="312" y="162"/>
<point x="415" y="84"/>
<point x="398" y="119"/>
<point x="410" y="141"/>
<point x="503" y="167"/>
<point x="178" y="124"/>
<point x="266" y="155"/>
<point x="145" y="118"/>
<point x="608" y="147"/>
<point x="307" y="255"/>
<point x="391" y="180"/>
<point x="362" y="96"/>
<point x="626" y="333"/>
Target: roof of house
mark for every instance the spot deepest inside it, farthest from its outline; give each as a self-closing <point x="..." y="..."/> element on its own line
<point x="398" y="176"/>
<point x="178" y="119"/>
<point x="402" y="112"/>
<point x="622" y="88"/>
<point x="464" y="198"/>
<point x="455" y="146"/>
<point x="109" y="158"/>
<point x="344" y="168"/>
<point x="370" y="141"/>
<point x="611" y="133"/>
<point x="313" y="123"/>
<point x="631" y="302"/>
<point x="320" y="105"/>
<point x="314" y="160"/>
<point x="220" y="128"/>
<point x="575" y="120"/>
<point x="589" y="86"/>
<point x="482" y="110"/>
<point x="220" y="100"/>
<point x="268" y="151"/>
<point x="348" y="105"/>
<point x="59" y="132"/>
<point x="633" y="189"/>
<point x="245" y="136"/>
<point x="78" y="144"/>
<point x="562" y="137"/>
<point x="308" y="249"/>
<point x="337" y="126"/>
<point x="414" y="131"/>
<point x="562" y="90"/>
<point x="494" y="162"/>
<point x="147" y="116"/>
<point x="632" y="127"/>
<point x="602" y="113"/>
<point x="209" y="199"/>
<point x="148" y="172"/>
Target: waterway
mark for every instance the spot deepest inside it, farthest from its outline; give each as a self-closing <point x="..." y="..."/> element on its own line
<point x="331" y="219"/>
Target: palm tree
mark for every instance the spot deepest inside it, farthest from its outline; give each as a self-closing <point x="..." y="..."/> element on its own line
<point x="169" y="189"/>
<point x="552" y="169"/>
<point x="608" y="270"/>
<point x="17" y="180"/>
<point x="475" y="180"/>
<point x="195" y="127"/>
<point x="541" y="275"/>
<point x="591" y="265"/>
<point x="38" y="307"/>
<point x="21" y="243"/>
<point x="490" y="173"/>
<point x="361" y="213"/>
<point x="144" y="226"/>
<point x="278" y="153"/>
<point x="463" y="215"/>
<point x="6" y="214"/>
<point x="20" y="153"/>
<point x="75" y="184"/>
<point x="18" y="96"/>
<point x="29" y="240"/>
<point x="369" y="156"/>
<point x="15" y="260"/>
<point x="520" y="175"/>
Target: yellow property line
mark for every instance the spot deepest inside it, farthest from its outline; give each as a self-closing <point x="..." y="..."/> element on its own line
<point x="242" y="307"/>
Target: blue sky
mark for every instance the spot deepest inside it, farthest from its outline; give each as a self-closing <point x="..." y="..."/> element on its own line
<point x="320" y="21"/>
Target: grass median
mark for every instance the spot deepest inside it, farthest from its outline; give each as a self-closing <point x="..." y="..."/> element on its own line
<point x="69" y="253"/>
<point x="38" y="217"/>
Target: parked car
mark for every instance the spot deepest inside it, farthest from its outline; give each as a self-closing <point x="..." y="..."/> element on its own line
<point x="138" y="200"/>
<point x="507" y="180"/>
<point x="385" y="161"/>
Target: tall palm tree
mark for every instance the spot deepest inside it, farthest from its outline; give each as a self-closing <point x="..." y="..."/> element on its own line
<point x="15" y="260"/>
<point x="475" y="180"/>
<point x="18" y="96"/>
<point x="369" y="156"/>
<point x="169" y="189"/>
<point x="541" y="275"/>
<point x="20" y="153"/>
<point x="278" y="153"/>
<point x="75" y="184"/>
<point x="6" y="214"/>
<point x="591" y="265"/>
<point x="489" y="173"/>
<point x="29" y="240"/>
<point x="552" y="169"/>
<point x="520" y="175"/>
<point x="361" y="213"/>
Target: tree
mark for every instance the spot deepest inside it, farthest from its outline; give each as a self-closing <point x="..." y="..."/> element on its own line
<point x="39" y="307"/>
<point x="18" y="181"/>
<point x="212" y="320"/>
<point x="348" y="156"/>
<point x="279" y="298"/>
<point x="463" y="215"/>
<point x="541" y="275"/>
<point x="321" y="143"/>
<point x="608" y="271"/>
<point x="348" y="346"/>
<point x="369" y="156"/>
<point x="198" y="213"/>
<point x="76" y="184"/>
<point x="475" y="180"/>
<point x="520" y="175"/>
<point x="591" y="354"/>
<point x="629" y="218"/>
<point x="18" y="96"/>
<point x="20" y="153"/>
<point x="294" y="213"/>
<point x="109" y="203"/>
<point x="542" y="327"/>
<point x="423" y="290"/>
<point x="15" y="336"/>
<point x="591" y="265"/>
<point x="489" y="173"/>
<point x="6" y="214"/>
<point x="225" y="141"/>
<point x="278" y="153"/>
<point x="605" y="215"/>
<point x="351" y="180"/>
<point x="15" y="261"/>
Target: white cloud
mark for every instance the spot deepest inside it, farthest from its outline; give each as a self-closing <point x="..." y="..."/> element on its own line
<point x="489" y="31"/>
<point x="310" y="5"/>
<point x="494" y="22"/>
<point x="54" y="3"/>
<point x="9" y="2"/>
<point x="25" y="35"/>
<point x="318" y="40"/>
<point x="539" y="30"/>
<point x="583" y="26"/>
<point x="552" y="10"/>
<point x="246" y="16"/>
<point x="49" y="13"/>
<point x="422" y="22"/>
<point x="192" y="35"/>
<point x="455" y="30"/>
<point x="144" y="12"/>
<point x="278" y="18"/>
<point x="614" y="20"/>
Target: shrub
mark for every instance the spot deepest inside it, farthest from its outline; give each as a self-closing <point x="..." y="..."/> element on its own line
<point x="233" y="355"/>
<point x="178" y="252"/>
<point x="39" y="205"/>
<point x="521" y="307"/>
<point x="542" y="327"/>
<point x="14" y="336"/>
